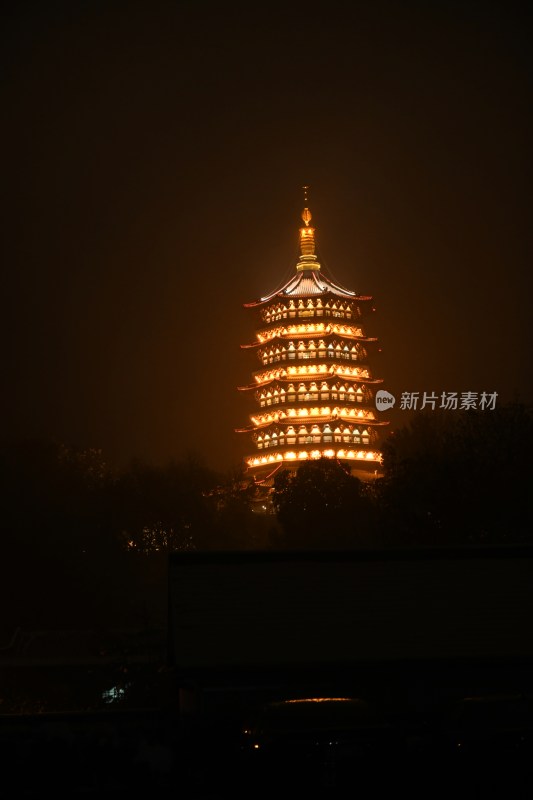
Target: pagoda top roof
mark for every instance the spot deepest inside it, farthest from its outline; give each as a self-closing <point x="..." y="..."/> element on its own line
<point x="308" y="280"/>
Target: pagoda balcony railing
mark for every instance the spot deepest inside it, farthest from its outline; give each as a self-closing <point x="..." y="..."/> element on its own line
<point x="310" y="330"/>
<point x="308" y="355"/>
<point x="306" y="313"/>
<point x="309" y="397"/>
<point x="326" y="438"/>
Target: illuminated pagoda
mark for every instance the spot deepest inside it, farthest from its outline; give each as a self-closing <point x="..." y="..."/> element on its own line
<point x="314" y="390"/>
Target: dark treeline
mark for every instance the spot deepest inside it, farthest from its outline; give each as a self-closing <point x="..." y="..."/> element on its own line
<point x="449" y="478"/>
<point x="84" y="545"/>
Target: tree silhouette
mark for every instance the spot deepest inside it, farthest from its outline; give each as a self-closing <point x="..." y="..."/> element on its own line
<point x="321" y="505"/>
<point x="460" y="477"/>
<point x="56" y="546"/>
<point x="161" y="509"/>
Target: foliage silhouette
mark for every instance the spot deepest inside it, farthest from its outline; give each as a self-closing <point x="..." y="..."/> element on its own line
<point x="321" y="505"/>
<point x="459" y="478"/>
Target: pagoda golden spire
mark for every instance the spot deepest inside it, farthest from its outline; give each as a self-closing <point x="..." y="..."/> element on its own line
<point x="306" y="214"/>
<point x="308" y="259"/>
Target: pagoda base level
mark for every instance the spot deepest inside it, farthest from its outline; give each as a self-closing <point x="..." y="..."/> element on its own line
<point x="292" y="459"/>
<point x="264" y="475"/>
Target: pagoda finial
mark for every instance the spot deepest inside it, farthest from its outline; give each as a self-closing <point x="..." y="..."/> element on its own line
<point x="308" y="259"/>
<point x="306" y="214"/>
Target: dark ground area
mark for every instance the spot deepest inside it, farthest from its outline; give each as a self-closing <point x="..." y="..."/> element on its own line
<point x="422" y="728"/>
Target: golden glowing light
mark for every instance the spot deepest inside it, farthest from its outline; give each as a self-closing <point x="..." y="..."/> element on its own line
<point x="312" y="351"/>
<point x="318" y="700"/>
<point x="302" y="455"/>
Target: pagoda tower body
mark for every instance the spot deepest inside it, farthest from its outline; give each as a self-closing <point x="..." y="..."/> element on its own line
<point x="314" y="389"/>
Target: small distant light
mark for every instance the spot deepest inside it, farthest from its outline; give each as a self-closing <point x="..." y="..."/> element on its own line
<point x="115" y="694"/>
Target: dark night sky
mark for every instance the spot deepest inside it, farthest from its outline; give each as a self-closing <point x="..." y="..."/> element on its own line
<point x="152" y="159"/>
